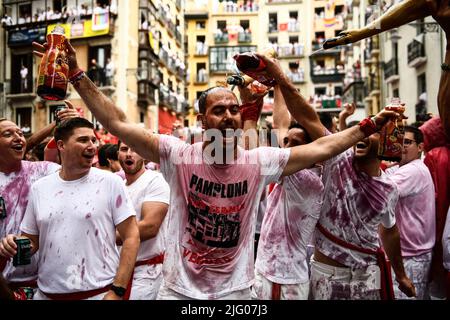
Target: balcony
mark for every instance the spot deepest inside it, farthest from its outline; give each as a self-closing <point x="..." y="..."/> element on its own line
<point x="391" y="70"/>
<point x="292" y="50"/>
<point x="221" y="38"/>
<point x="416" y="54"/>
<point x="201" y="78"/>
<point x="297" y="76"/>
<point x="244" y="37"/>
<point x="327" y="75"/>
<point x="23" y="30"/>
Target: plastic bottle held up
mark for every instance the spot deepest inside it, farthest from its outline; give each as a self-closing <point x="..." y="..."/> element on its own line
<point x="253" y="66"/>
<point x="391" y="136"/>
<point x="54" y="69"/>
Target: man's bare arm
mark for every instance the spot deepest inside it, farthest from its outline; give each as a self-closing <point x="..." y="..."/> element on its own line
<point x="109" y="115"/>
<point x="300" y="109"/>
<point x="391" y="243"/>
<point x="281" y="115"/>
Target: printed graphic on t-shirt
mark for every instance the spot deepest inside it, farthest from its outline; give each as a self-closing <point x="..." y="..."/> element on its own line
<point x="217" y="227"/>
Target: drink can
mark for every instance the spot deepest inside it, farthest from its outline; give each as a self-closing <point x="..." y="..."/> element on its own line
<point x="23" y="255"/>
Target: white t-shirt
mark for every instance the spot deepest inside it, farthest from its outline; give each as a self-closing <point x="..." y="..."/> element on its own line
<point x="292" y="212"/>
<point x="354" y="206"/>
<point x="15" y="188"/>
<point x="149" y="187"/>
<point x="76" y="223"/>
<point x="212" y="216"/>
<point x="416" y="208"/>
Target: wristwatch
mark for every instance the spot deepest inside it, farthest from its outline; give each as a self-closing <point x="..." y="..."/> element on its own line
<point x="119" y="291"/>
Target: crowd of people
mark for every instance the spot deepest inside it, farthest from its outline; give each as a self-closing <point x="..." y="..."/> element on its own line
<point x="164" y="217"/>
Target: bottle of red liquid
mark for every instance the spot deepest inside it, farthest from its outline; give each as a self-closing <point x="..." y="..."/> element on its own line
<point x="54" y="70"/>
<point x="253" y="66"/>
<point x="391" y="135"/>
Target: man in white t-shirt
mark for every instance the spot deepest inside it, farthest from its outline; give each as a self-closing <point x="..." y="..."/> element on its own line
<point x="281" y="268"/>
<point x="71" y="217"/>
<point x="415" y="211"/>
<point x="358" y="201"/>
<point x="16" y="177"/>
<point x="150" y="195"/>
<point x="215" y="185"/>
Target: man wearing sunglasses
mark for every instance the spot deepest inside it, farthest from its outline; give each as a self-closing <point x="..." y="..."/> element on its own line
<point x="415" y="212"/>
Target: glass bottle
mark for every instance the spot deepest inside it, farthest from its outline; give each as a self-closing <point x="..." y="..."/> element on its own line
<point x="251" y="65"/>
<point x="391" y="135"/>
<point x="54" y="69"/>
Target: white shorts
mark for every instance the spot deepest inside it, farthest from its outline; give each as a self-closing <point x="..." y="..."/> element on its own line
<point x="146" y="282"/>
<point x="165" y="293"/>
<point x="335" y="283"/>
<point x="262" y="289"/>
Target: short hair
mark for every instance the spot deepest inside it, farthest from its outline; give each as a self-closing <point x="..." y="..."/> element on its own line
<point x="111" y="152"/>
<point x="102" y="158"/>
<point x="204" y="97"/>
<point x="296" y="125"/>
<point x="65" y="129"/>
<point x="3" y="119"/>
<point x="418" y="136"/>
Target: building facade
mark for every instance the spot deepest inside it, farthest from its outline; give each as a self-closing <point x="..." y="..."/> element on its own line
<point x="112" y="40"/>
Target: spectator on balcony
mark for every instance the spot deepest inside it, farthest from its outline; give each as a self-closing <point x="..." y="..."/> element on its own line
<point x="298" y="49"/>
<point x="201" y="75"/>
<point x="6" y="20"/>
<point x="200" y="47"/>
<point x="24" y="79"/>
<point x="94" y="72"/>
<point x="109" y="72"/>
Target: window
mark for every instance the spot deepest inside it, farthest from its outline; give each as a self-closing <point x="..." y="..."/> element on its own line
<point x="293" y="39"/>
<point x="23" y="118"/>
<point x="337" y="32"/>
<point x="201" y="73"/>
<point x="395" y="93"/>
<point x="338" y="10"/>
<point x="420" y="26"/>
<point x="22" y="73"/>
<point x="221" y="58"/>
<point x="338" y="91"/>
<point x="320" y="91"/>
<point x="58" y="5"/>
<point x="245" y="24"/>
<point x="320" y="12"/>
<point x="97" y="61"/>
<point x="320" y="37"/>
<point x="200" y="24"/>
<point x="273" y="22"/>
<point x="293" y="15"/>
<point x="273" y="40"/>
<point x="421" y="84"/>
<point x="222" y="25"/>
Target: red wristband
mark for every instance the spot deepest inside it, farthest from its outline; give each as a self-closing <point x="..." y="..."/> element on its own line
<point x="368" y="126"/>
<point x="77" y="76"/>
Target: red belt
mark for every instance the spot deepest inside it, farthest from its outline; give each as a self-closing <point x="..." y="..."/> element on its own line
<point x="387" y="289"/>
<point x="77" y="295"/>
<point x="155" y="260"/>
<point x="276" y="291"/>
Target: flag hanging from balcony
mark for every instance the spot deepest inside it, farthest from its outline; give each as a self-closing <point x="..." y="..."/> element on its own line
<point x="329" y="22"/>
<point x="100" y="19"/>
<point x="232" y="36"/>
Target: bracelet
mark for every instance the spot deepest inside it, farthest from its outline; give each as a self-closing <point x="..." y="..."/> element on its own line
<point x="77" y="77"/>
<point x="250" y="111"/>
<point x="368" y="126"/>
<point x="445" y="67"/>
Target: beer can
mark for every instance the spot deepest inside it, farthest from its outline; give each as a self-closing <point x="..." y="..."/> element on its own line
<point x="23" y="255"/>
<point x="2" y="208"/>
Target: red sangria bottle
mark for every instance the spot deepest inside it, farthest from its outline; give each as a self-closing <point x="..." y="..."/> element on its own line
<point x="251" y="65"/>
<point x="54" y="70"/>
